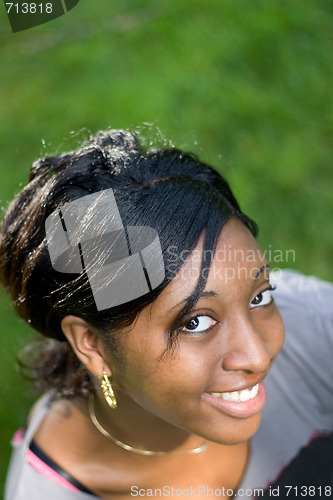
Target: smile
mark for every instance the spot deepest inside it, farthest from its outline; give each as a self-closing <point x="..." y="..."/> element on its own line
<point x="238" y="396"/>
<point x="240" y="404"/>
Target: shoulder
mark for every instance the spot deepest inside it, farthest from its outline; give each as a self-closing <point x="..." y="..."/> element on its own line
<point x="40" y="407"/>
<point x="29" y="476"/>
<point x="300" y="384"/>
<point x="304" y="370"/>
<point x="296" y="292"/>
<point x="305" y="304"/>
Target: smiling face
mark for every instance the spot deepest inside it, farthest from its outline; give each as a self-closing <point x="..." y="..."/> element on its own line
<point x="211" y="383"/>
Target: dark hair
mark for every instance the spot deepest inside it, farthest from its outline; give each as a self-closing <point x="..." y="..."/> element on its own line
<point x="166" y="189"/>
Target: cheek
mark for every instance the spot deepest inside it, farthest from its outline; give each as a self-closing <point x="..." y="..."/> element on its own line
<point x="274" y="331"/>
<point x="180" y="372"/>
<point x="177" y="380"/>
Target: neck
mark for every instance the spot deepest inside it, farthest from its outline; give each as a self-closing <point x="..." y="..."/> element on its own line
<point x="142" y="430"/>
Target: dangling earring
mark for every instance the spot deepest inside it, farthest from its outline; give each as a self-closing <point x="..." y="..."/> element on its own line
<point x="106" y="386"/>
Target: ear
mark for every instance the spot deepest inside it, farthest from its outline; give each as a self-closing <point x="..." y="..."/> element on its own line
<point x="86" y="343"/>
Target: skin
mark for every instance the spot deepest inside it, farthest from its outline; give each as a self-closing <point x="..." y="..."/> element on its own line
<point x="162" y="399"/>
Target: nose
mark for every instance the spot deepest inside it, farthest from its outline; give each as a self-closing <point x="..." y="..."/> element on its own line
<point x="248" y="349"/>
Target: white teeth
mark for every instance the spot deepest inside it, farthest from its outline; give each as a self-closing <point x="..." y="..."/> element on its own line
<point x="238" y="396"/>
<point x="254" y="391"/>
<point x="245" y="395"/>
<point x="233" y="396"/>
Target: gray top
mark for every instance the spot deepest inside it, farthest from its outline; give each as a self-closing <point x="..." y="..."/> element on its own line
<point x="300" y="384"/>
<point x="23" y="481"/>
<point x="299" y="396"/>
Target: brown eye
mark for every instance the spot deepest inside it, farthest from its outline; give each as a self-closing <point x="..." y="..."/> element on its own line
<point x="257" y="299"/>
<point x="192" y="324"/>
<point x="198" y="324"/>
<point x="262" y="299"/>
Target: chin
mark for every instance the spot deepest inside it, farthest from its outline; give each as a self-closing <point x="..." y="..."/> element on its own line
<point x="235" y="432"/>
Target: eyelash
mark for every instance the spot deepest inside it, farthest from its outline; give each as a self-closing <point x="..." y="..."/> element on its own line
<point x="182" y="328"/>
<point x="269" y="289"/>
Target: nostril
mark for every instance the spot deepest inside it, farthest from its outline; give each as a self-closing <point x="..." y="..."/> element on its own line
<point x="251" y="355"/>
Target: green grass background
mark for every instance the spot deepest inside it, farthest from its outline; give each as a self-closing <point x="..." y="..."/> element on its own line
<point x="247" y="85"/>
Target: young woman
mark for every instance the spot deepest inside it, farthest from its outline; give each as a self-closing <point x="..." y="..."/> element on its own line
<point x="145" y="276"/>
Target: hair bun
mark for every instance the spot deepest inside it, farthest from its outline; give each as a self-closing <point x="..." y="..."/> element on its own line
<point x="45" y="167"/>
<point x="116" y="139"/>
<point x="119" y="147"/>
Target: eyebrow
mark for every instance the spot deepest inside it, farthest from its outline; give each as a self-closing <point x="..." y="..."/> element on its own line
<point x="208" y="293"/>
<point x="259" y="273"/>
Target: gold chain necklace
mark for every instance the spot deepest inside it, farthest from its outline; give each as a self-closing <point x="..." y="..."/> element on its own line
<point x="127" y="447"/>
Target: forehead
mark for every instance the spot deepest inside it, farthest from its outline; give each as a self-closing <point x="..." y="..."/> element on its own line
<point x="237" y="258"/>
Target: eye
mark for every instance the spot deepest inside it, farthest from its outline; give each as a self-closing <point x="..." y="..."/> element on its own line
<point x="198" y="324"/>
<point x="263" y="298"/>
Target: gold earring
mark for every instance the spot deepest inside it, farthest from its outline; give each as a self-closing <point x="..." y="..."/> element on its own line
<point x="106" y="386"/>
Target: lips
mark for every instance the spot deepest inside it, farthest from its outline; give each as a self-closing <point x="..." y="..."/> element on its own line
<point x="237" y="396"/>
<point x="240" y="404"/>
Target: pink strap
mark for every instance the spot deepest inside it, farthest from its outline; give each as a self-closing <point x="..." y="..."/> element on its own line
<point x="47" y="471"/>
